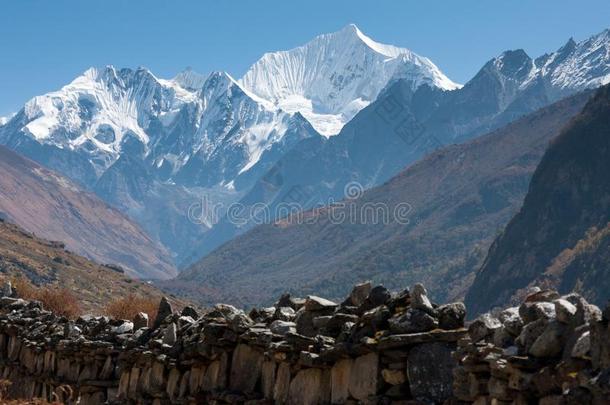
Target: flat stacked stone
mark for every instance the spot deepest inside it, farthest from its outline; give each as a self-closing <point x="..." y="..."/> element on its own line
<point x="373" y="347"/>
<point x="539" y="352"/>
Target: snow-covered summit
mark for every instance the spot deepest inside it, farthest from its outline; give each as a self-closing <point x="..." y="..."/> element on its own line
<point x="334" y="76"/>
<point x="189" y="79"/>
<point x="585" y="64"/>
<point x="100" y="107"/>
<point x="573" y="67"/>
<point x="205" y="133"/>
<point x="4" y="120"/>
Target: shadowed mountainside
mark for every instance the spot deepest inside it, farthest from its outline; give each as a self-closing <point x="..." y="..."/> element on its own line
<point x="560" y="238"/>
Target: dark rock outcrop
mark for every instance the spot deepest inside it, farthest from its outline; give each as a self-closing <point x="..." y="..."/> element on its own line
<point x="561" y="237"/>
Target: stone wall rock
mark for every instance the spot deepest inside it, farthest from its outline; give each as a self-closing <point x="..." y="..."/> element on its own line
<point x="375" y="347"/>
<point x="554" y="350"/>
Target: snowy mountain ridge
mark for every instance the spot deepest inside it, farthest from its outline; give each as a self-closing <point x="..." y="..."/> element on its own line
<point x="4" y="120"/>
<point x="149" y="146"/>
<point x="332" y="77"/>
<point x="102" y="109"/>
<point x="153" y="146"/>
<point x="573" y="67"/>
<point x="215" y="124"/>
<point x="585" y="64"/>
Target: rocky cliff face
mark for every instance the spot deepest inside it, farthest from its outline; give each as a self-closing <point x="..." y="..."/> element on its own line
<point x="560" y="236"/>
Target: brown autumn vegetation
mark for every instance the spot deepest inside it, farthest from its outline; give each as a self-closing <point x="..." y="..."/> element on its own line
<point x="60" y="301"/>
<point x="66" y="283"/>
<point x="128" y="307"/>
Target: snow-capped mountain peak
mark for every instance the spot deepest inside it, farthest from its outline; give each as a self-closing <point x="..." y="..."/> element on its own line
<point x="586" y="63"/>
<point x="4" y="120"/>
<point x="189" y="79"/>
<point x="332" y="77"/>
<point x="220" y="81"/>
<point x="100" y="107"/>
<point x="207" y="134"/>
<point x="351" y="30"/>
<point x="576" y="65"/>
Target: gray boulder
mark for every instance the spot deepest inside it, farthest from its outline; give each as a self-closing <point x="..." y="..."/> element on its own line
<point x="165" y="309"/>
<point x="170" y="334"/>
<point x="313" y="303"/>
<point x="565" y="311"/>
<point x="140" y="321"/>
<point x="125" y="327"/>
<point x="530" y="333"/>
<point x="582" y="347"/>
<point x="550" y="343"/>
<point x="304" y="322"/>
<point x="502" y="338"/>
<point x="412" y="321"/>
<point x="451" y="316"/>
<point x="512" y="321"/>
<point x="190" y="311"/>
<point x="585" y="312"/>
<point x="482" y="327"/>
<point x="532" y="311"/>
<point x="360" y="293"/>
<point x="379" y="295"/>
<point x="419" y="299"/>
<point x="284" y="314"/>
<point x="282" y="327"/>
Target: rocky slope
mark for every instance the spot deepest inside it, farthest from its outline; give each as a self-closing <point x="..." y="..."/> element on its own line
<point x="560" y="236"/>
<point x="404" y="124"/>
<point x="49" y="264"/>
<point x="54" y="207"/>
<point x="437" y="220"/>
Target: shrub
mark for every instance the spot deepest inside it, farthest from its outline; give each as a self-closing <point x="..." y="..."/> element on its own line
<point x="127" y="307"/>
<point x="24" y="288"/>
<point x="60" y="301"/>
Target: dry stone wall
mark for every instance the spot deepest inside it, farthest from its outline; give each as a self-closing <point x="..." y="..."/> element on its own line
<point x="550" y="350"/>
<point x="373" y="348"/>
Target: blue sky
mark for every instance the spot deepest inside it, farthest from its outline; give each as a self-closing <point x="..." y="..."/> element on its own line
<point x="44" y="44"/>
